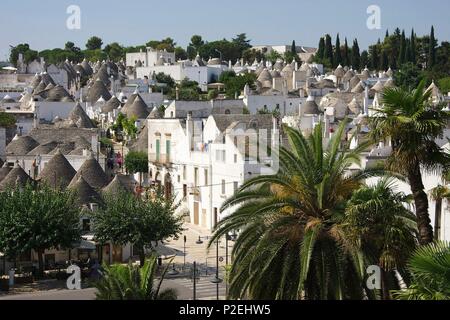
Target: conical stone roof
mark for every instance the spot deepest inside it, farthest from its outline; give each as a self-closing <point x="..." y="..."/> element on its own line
<point x="116" y="186"/>
<point x="84" y="193"/>
<point x="98" y="90"/>
<point x="92" y="173"/>
<point x="21" y="146"/>
<point x="4" y="170"/>
<point x="58" y="172"/>
<point x="17" y="176"/>
<point x="111" y="105"/>
<point x="80" y="118"/>
<point x="138" y="109"/>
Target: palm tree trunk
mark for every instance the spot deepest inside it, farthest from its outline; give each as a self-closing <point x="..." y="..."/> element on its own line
<point x="421" y="203"/>
<point x="437" y="218"/>
<point x="384" y="285"/>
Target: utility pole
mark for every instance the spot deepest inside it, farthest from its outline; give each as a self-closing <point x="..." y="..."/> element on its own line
<point x="195" y="276"/>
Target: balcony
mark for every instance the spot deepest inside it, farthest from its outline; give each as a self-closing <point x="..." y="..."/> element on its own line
<point x="161" y="159"/>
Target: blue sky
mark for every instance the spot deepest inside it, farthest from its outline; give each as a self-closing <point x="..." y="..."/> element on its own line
<point x="42" y="23"/>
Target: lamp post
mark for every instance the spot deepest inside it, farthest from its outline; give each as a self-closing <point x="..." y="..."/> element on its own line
<point x="216" y="279"/>
<point x="195" y="276"/>
<point x="184" y="253"/>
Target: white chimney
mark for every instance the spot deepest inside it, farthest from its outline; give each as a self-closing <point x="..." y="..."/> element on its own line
<point x="190" y="131"/>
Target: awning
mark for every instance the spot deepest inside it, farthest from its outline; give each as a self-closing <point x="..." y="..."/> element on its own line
<point x="9" y="68"/>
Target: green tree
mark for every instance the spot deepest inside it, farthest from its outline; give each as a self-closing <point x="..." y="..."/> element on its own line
<point x="364" y="58"/>
<point x="273" y="56"/>
<point x="242" y="42"/>
<point x="137" y="162"/>
<point x="37" y="219"/>
<point x="114" y="51"/>
<point x="429" y="267"/>
<point x="7" y="120"/>
<point x="235" y="84"/>
<point x="321" y="50"/>
<point x="408" y="76"/>
<point x="180" y="54"/>
<point x="402" y="53"/>
<point x="432" y="50"/>
<point x="444" y="84"/>
<point x="378" y="222"/>
<point x="94" y="43"/>
<point x="356" y="57"/>
<point x="24" y="49"/>
<point x="346" y="54"/>
<point x="374" y="56"/>
<point x="328" y="49"/>
<point x="412" y="124"/>
<point x="291" y="245"/>
<point x="337" y="54"/>
<point x="126" y="219"/>
<point x="413" y="47"/>
<point x="130" y="282"/>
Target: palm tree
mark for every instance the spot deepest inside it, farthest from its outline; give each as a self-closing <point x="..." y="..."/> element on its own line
<point x="128" y="282"/>
<point x="438" y="194"/>
<point x="412" y="124"/>
<point x="429" y="268"/>
<point x="379" y="223"/>
<point x="291" y="245"/>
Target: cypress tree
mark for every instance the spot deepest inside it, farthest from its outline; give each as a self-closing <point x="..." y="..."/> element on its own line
<point x="413" y="47"/>
<point x="346" y="56"/>
<point x="374" y="56"/>
<point x="408" y="57"/>
<point x="328" y="49"/>
<point x="293" y="48"/>
<point x="384" y="60"/>
<point x="432" y="50"/>
<point x="338" y="55"/>
<point x="356" y="56"/>
<point x="402" y="53"/>
<point x="364" y="58"/>
<point x="321" y="49"/>
<point x="387" y="34"/>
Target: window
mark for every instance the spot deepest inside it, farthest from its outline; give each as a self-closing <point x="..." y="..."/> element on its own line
<point x="235" y="158"/>
<point x="168" y="150"/>
<point x="184" y="190"/>
<point x="206" y="177"/>
<point x="220" y="155"/>
<point x="223" y="187"/>
<point x="184" y="172"/>
<point x="235" y="186"/>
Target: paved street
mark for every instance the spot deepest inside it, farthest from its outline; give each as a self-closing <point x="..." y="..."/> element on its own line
<point x="206" y="262"/>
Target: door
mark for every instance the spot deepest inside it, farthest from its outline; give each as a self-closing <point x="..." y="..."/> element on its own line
<point x="196" y="213"/>
<point x="117" y="254"/>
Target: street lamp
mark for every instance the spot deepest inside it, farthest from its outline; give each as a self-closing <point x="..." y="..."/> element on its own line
<point x="199" y="241"/>
<point x="216" y="279"/>
<point x="184" y="253"/>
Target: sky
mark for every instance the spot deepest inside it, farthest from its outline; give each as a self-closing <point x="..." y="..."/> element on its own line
<point x="42" y="24"/>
